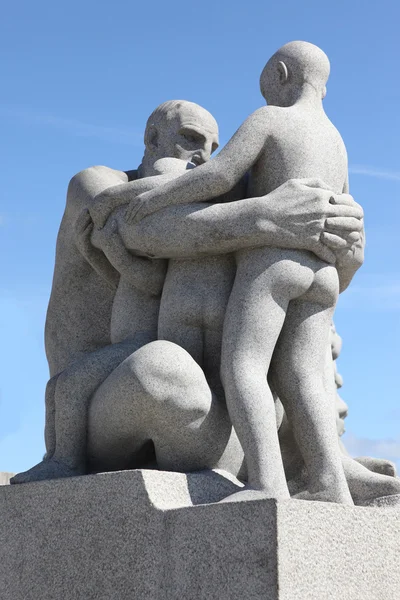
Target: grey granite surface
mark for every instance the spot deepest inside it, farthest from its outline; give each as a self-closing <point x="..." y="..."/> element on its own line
<point x="249" y="283"/>
<point x="153" y="536"/>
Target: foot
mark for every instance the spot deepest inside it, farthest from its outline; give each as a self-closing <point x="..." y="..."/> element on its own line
<point x="326" y="495"/>
<point x="385" y="502"/>
<point x="249" y="493"/>
<point x="47" y="469"/>
<point x="366" y="485"/>
<point x="378" y="465"/>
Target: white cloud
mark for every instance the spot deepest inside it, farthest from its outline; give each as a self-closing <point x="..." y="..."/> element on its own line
<point x="383" y="448"/>
<point x="74" y="127"/>
<point x="374" y="172"/>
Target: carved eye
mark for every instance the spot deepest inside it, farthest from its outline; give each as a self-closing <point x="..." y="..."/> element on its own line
<point x="191" y="136"/>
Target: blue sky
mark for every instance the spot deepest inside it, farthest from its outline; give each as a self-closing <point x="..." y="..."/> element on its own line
<point x="80" y="80"/>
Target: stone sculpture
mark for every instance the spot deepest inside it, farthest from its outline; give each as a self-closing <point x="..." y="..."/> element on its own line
<point x="124" y="395"/>
<point x="283" y="294"/>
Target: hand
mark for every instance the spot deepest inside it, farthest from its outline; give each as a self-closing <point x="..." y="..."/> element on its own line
<point x="101" y="238"/>
<point x="348" y="261"/>
<point x="137" y="209"/>
<point x="83" y="229"/>
<point x="341" y="232"/>
<point x="301" y="209"/>
<point x="100" y="210"/>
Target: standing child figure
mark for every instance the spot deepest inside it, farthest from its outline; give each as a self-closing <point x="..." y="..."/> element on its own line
<point x="281" y="306"/>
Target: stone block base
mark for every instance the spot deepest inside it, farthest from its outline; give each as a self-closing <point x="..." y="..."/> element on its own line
<point x="150" y="535"/>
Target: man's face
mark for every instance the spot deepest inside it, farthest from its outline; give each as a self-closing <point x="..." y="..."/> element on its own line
<point x="193" y="136"/>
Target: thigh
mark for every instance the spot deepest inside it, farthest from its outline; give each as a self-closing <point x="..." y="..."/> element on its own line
<point x="188" y="338"/>
<point x="160" y="394"/>
<point x="180" y="323"/>
<point x="300" y="353"/>
<point x="253" y="319"/>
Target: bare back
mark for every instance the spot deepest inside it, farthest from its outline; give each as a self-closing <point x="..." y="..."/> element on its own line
<point x="302" y="143"/>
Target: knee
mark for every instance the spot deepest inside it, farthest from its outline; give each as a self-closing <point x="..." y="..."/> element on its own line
<point x="241" y="369"/>
<point x="163" y="362"/>
<point x="170" y="378"/>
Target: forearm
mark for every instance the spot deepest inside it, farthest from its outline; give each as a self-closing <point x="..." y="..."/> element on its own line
<point x="200" y="229"/>
<point x="101" y="265"/>
<point x="198" y="185"/>
<point x="121" y="194"/>
<point x="145" y="274"/>
<point x="292" y="216"/>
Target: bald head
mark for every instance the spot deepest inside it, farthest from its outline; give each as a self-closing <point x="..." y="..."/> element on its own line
<point x="180" y="129"/>
<point x="293" y="66"/>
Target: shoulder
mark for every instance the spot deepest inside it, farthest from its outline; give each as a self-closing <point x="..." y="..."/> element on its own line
<point x="86" y="184"/>
<point x="98" y="172"/>
<point x="264" y="117"/>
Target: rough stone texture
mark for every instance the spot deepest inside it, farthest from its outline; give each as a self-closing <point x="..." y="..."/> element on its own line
<point x="280" y="309"/>
<point x="5" y="477"/>
<point x="143" y="535"/>
<point x="79" y="319"/>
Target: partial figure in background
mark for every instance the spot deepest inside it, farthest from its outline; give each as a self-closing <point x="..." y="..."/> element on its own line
<point x="377" y="465"/>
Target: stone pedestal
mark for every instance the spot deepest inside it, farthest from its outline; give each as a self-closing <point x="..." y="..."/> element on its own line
<point x="152" y="536"/>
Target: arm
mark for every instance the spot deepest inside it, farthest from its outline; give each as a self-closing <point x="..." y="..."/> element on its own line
<point x="292" y="216"/>
<point x="214" y="178"/>
<point x="123" y="193"/>
<point x="146" y="275"/>
<point x="348" y="259"/>
<point x="83" y="230"/>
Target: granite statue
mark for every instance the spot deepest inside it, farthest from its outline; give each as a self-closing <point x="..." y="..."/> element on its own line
<point x="131" y="393"/>
<point x="277" y="293"/>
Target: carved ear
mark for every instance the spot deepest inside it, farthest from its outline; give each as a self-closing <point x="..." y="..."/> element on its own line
<point x="324" y="92"/>
<point x="283" y="72"/>
<point x="152" y="138"/>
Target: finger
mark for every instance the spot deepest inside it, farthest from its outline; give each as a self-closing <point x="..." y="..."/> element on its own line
<point x="314" y="182"/>
<point x="138" y="216"/>
<point x="353" y="237"/>
<point x="131" y="212"/>
<point x="345" y="200"/>
<point x="324" y="253"/>
<point x="139" y="213"/>
<point x="344" y="210"/>
<point x="342" y="199"/>
<point x="344" y="224"/>
<point x="334" y="241"/>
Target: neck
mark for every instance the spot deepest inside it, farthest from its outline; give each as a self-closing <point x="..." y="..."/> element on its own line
<point x="308" y="95"/>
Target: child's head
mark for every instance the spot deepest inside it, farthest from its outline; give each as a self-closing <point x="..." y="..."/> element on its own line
<point x="291" y="68"/>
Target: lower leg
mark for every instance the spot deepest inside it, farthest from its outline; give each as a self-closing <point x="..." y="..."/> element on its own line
<point x="74" y="389"/>
<point x="159" y="393"/>
<point x="252" y="411"/>
<point x="366" y="485"/>
<point x="298" y="371"/>
<point x="67" y="397"/>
